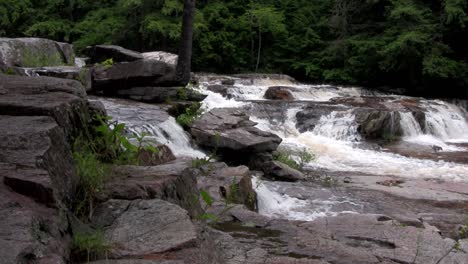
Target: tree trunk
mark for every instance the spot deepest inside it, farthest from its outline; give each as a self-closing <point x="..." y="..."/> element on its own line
<point x="259" y="47"/>
<point x="184" y="63"/>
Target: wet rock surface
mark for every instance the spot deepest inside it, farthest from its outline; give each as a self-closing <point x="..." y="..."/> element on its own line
<point x="280" y="93"/>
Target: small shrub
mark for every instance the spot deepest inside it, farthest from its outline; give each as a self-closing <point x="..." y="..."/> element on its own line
<point x="90" y="244"/>
<point x="91" y="172"/>
<point x="9" y="71"/>
<point x="388" y="138"/>
<point x="463" y="232"/>
<point x="305" y="157"/>
<point x="285" y="158"/>
<point x="191" y="113"/>
<point x="94" y="152"/>
<point x="182" y="94"/>
<point x="107" y="63"/>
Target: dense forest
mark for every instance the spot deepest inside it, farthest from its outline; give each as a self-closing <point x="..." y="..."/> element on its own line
<point x="419" y="45"/>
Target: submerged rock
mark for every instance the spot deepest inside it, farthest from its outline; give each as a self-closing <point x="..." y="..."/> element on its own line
<point x="280" y="93"/>
<point x="378" y="124"/>
<point x="34" y="52"/>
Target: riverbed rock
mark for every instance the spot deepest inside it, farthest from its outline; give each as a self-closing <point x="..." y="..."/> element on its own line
<point x="166" y="57"/>
<point x="34" y="52"/>
<point x="167" y="182"/>
<point x="149" y="158"/>
<point x="136" y="229"/>
<point x="29" y="231"/>
<point x="160" y="94"/>
<point x="64" y="100"/>
<point x="42" y="162"/>
<point x="227" y="184"/>
<point x="230" y="131"/>
<point x="280" y="93"/>
<point x="279" y="171"/>
<point x="100" y="53"/>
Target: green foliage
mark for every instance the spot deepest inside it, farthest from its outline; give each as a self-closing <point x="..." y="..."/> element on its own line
<point x="182" y="94"/>
<point x="286" y="158"/>
<point x="191" y="113"/>
<point x="92" y="244"/>
<point x="9" y="71"/>
<point x="403" y="43"/>
<point x="92" y="174"/>
<point x="34" y="59"/>
<point x="463" y="232"/>
<point x="107" y="63"/>
<point x="305" y="157"/>
<point x="94" y="151"/>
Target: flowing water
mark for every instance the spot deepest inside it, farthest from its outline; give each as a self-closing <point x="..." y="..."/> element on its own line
<point x="339" y="148"/>
<point x="335" y="140"/>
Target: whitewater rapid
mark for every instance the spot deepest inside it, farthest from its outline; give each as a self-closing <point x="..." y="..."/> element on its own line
<point x="339" y="148"/>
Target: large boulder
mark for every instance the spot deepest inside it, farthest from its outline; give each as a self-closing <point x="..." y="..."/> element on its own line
<point x="230" y="131"/>
<point x="140" y="228"/>
<point x="64" y="100"/>
<point x="100" y="53"/>
<point x="280" y="93"/>
<point x="34" y="52"/>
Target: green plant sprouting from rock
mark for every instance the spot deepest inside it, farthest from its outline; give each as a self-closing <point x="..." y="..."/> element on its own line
<point x="193" y="112"/>
<point x="91" y="244"/>
<point x="94" y="153"/>
<point x="287" y="158"/>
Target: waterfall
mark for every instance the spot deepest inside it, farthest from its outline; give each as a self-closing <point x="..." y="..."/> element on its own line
<point x="409" y="125"/>
<point x="446" y="121"/>
<point x="150" y="119"/>
<point x="339" y="126"/>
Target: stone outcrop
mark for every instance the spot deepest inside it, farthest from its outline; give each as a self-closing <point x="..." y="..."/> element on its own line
<point x="166" y="57"/>
<point x="42" y="163"/>
<point x="34" y="52"/>
<point x="63" y="100"/>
